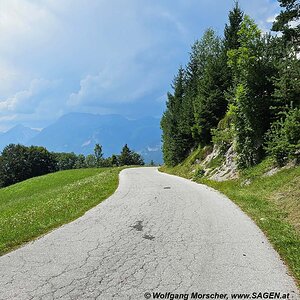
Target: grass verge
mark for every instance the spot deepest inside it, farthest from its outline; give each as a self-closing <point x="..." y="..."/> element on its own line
<point x="273" y="202"/>
<point x="33" y="207"/>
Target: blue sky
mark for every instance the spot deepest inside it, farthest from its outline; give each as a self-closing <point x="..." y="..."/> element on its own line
<point x="96" y="56"/>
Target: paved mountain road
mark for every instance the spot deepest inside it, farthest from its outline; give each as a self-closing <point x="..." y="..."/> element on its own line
<point x="157" y="233"/>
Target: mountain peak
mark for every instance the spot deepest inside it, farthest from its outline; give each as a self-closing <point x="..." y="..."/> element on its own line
<point x="79" y="132"/>
<point x="18" y="134"/>
<point x="17" y="127"/>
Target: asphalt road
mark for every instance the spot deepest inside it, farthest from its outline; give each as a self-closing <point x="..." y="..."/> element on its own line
<point x="157" y="233"/>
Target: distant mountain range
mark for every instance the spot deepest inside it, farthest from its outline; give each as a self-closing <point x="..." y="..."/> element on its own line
<point x="17" y="135"/>
<point x="79" y="132"/>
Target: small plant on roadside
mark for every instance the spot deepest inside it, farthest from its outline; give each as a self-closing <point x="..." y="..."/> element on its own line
<point x="199" y="173"/>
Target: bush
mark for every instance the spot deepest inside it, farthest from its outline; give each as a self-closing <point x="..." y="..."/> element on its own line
<point x="199" y="173"/>
<point x="223" y="135"/>
<point x="283" y="139"/>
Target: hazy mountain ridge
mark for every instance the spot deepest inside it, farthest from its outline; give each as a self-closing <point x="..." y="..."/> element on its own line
<point x="19" y="134"/>
<point x="79" y="132"/>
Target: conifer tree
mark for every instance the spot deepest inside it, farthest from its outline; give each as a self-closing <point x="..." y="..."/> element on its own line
<point x="287" y="22"/>
<point x="175" y="144"/>
<point x="231" y="40"/>
<point x="129" y="157"/>
<point x="210" y="103"/>
<point x="125" y="156"/>
<point x="257" y="75"/>
<point x="287" y="82"/>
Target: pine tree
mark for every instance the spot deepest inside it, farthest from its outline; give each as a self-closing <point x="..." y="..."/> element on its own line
<point x="231" y="39"/>
<point x="287" y="22"/>
<point x="287" y="81"/>
<point x="187" y="113"/>
<point x="175" y="130"/>
<point x="287" y="84"/>
<point x="231" y="42"/>
<point x="210" y="103"/>
<point x="125" y="156"/>
<point x="129" y="157"/>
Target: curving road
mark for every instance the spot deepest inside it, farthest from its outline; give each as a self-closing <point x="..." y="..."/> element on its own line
<point x="157" y="233"/>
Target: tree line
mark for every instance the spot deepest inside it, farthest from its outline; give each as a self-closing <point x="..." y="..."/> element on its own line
<point x="18" y="162"/>
<point x="242" y="89"/>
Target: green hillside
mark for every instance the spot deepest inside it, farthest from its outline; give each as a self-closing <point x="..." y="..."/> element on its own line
<point x="35" y="206"/>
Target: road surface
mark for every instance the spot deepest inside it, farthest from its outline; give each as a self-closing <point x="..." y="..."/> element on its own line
<point x="157" y="233"/>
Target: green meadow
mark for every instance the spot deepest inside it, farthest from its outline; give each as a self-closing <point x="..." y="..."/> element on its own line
<point x="34" y="207"/>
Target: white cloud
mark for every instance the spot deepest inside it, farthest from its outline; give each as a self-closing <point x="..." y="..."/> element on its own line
<point x="271" y="19"/>
<point x="27" y="101"/>
<point x="91" y="88"/>
<point x="112" y="87"/>
<point x="262" y="11"/>
<point x="107" y="53"/>
<point x="294" y="24"/>
<point x="8" y="118"/>
<point x="24" y="20"/>
<point x="25" y="27"/>
<point x="11" y="77"/>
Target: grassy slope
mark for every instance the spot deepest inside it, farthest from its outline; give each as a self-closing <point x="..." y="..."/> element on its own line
<point x="35" y="206"/>
<point x="273" y="202"/>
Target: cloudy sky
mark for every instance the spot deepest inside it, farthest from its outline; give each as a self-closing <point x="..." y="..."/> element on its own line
<point x="100" y="56"/>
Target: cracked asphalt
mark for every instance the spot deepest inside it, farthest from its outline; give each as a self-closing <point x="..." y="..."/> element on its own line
<point x="157" y="233"/>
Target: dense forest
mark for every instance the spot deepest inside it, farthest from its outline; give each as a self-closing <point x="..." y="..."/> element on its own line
<point x="18" y="162"/>
<point x="242" y="89"/>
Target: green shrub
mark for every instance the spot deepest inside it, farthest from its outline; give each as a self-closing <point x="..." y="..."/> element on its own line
<point x="223" y="135"/>
<point x="199" y="172"/>
<point x="283" y="139"/>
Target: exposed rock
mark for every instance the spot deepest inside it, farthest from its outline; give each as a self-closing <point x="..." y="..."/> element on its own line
<point x="271" y="172"/>
<point x="289" y="165"/>
<point x="228" y="169"/>
<point x="215" y="153"/>
<point x="246" y="182"/>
